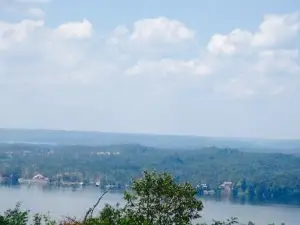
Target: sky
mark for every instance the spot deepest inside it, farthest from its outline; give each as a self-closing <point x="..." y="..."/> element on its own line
<point x="208" y="68"/>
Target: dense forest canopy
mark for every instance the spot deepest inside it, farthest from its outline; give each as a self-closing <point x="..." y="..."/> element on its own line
<point x="256" y="176"/>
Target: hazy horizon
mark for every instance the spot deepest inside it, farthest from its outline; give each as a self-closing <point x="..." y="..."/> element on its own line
<point x="161" y="141"/>
<point x="151" y="134"/>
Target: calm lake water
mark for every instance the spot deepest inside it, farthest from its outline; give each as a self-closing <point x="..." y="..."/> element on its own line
<point x="75" y="203"/>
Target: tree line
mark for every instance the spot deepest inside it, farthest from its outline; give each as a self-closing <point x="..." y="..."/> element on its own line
<point x="257" y="177"/>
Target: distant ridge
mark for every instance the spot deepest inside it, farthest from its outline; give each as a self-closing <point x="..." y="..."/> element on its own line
<point x="63" y="137"/>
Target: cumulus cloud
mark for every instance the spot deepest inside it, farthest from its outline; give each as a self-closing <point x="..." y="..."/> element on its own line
<point x="161" y="30"/>
<point x="45" y="55"/>
<point x="80" y="30"/>
<point x="235" y="42"/>
<point x="275" y="30"/>
<point x="269" y="52"/>
<point x="278" y="62"/>
<point x="153" y="37"/>
<point x="259" y="55"/>
<point x="11" y="33"/>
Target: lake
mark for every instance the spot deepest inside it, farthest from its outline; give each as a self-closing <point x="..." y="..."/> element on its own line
<point x="75" y="203"/>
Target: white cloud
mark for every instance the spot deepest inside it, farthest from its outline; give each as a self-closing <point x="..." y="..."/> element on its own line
<point x="152" y="36"/>
<point x="161" y="30"/>
<point x="263" y="55"/>
<point x="277" y="29"/>
<point x="44" y="55"/>
<point x="235" y="42"/>
<point x="59" y="49"/>
<point x="273" y="31"/>
<point x="279" y="61"/>
<point x="268" y="71"/>
<point x="11" y="33"/>
<point x="78" y="30"/>
<point x="36" y="13"/>
<point x="154" y="40"/>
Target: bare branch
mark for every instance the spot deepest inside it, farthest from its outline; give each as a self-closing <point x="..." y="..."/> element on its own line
<point x="91" y="210"/>
<point x="87" y="214"/>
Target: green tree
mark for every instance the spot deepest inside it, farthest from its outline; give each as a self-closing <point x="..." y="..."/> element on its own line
<point x="17" y="216"/>
<point x="155" y="199"/>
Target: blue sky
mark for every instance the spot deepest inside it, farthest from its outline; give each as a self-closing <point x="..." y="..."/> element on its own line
<point x="209" y="68"/>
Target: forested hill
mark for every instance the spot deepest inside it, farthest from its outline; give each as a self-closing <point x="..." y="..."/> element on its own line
<point x="272" y="177"/>
<point x="161" y="141"/>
